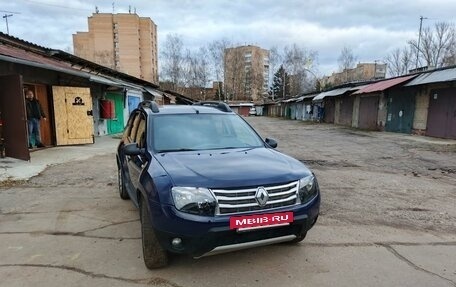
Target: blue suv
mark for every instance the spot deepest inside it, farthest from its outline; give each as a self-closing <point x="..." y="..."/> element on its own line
<point x="205" y="183"/>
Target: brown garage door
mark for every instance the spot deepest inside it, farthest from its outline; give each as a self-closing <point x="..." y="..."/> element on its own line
<point x="346" y="110"/>
<point x="329" y="110"/>
<point x="12" y="108"/>
<point x="368" y="112"/>
<point x="442" y="114"/>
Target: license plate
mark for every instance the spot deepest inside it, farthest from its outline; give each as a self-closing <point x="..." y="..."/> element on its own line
<point x="260" y="220"/>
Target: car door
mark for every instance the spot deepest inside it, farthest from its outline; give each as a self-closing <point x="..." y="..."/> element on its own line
<point x="138" y="162"/>
<point x="128" y="138"/>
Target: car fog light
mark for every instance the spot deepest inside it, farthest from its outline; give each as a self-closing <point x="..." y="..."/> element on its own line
<point x="176" y="242"/>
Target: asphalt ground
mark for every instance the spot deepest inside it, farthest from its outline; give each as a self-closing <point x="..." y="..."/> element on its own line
<point x="388" y="218"/>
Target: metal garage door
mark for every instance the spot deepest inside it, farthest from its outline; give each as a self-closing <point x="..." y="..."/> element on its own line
<point x="346" y="110"/>
<point x="329" y="110"/>
<point x="12" y="109"/>
<point x="368" y="113"/>
<point x="400" y="112"/>
<point x="442" y="114"/>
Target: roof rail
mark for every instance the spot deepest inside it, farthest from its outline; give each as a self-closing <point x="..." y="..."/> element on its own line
<point x="149" y="104"/>
<point x="218" y="105"/>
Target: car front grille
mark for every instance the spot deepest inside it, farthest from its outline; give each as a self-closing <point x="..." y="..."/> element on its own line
<point x="231" y="201"/>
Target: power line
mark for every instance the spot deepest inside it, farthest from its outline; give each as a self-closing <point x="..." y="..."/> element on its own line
<point x="55" y="5"/>
<point x="9" y="12"/>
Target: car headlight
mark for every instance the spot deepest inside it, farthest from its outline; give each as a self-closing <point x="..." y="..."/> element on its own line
<point x="308" y="187"/>
<point x="195" y="200"/>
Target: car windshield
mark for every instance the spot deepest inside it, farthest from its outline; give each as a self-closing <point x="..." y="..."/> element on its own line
<point x="184" y="132"/>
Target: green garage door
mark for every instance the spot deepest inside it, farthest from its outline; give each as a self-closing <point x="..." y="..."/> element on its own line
<point x="116" y="125"/>
<point x="400" y="111"/>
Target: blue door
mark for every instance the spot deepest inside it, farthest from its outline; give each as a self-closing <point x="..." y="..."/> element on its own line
<point x="133" y="103"/>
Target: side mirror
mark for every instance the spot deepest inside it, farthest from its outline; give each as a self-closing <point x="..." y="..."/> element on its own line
<point x="132" y="149"/>
<point x="271" y="142"/>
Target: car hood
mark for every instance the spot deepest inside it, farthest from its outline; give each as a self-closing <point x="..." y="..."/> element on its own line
<point x="231" y="167"/>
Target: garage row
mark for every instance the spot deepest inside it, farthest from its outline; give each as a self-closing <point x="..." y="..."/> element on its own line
<point x="422" y="103"/>
<point x="81" y="99"/>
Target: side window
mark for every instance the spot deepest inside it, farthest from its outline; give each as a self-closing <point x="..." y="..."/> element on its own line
<point x="140" y="138"/>
<point x="127" y="129"/>
<point x="134" y="128"/>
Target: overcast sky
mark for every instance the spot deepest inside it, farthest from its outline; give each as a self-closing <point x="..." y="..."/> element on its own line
<point x="370" y="28"/>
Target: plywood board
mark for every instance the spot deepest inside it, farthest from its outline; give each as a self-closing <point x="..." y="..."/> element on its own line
<point x="73" y="115"/>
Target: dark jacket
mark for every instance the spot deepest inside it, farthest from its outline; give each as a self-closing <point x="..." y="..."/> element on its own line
<point x="34" y="109"/>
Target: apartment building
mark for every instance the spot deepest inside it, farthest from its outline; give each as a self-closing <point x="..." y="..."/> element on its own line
<point x="246" y="73"/>
<point x="362" y="72"/>
<point x="124" y="42"/>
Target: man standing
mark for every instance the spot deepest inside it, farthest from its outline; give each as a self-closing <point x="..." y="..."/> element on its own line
<point x="34" y="114"/>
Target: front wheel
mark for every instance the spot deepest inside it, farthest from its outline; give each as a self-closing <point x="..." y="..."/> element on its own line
<point x="299" y="238"/>
<point x="154" y="254"/>
<point x="121" y="183"/>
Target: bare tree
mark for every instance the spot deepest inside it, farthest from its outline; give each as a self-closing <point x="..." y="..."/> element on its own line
<point x="202" y="73"/>
<point x="450" y="51"/>
<point x="216" y="52"/>
<point x="189" y="72"/>
<point x="399" y="61"/>
<point x="196" y="73"/>
<point x="434" y="44"/>
<point x="346" y="58"/>
<point x="172" y="59"/>
<point x="298" y="62"/>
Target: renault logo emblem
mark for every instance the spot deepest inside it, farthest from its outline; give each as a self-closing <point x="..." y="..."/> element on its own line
<point x="261" y="196"/>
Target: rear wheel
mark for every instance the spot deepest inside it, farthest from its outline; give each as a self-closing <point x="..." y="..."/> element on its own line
<point x="121" y="183"/>
<point x="154" y="254"/>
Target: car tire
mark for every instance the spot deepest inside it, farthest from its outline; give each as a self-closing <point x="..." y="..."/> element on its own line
<point x="154" y="254"/>
<point x="299" y="238"/>
<point x="121" y="183"/>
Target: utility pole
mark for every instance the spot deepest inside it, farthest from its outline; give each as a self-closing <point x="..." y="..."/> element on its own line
<point x="317" y="81"/>
<point x="6" y="19"/>
<point x="6" y="16"/>
<point x="419" y="40"/>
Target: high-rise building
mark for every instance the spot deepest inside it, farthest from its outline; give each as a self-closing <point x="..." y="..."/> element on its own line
<point x="124" y="42"/>
<point x="246" y="73"/>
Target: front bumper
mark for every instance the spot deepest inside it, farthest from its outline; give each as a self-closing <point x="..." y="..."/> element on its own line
<point x="200" y="235"/>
